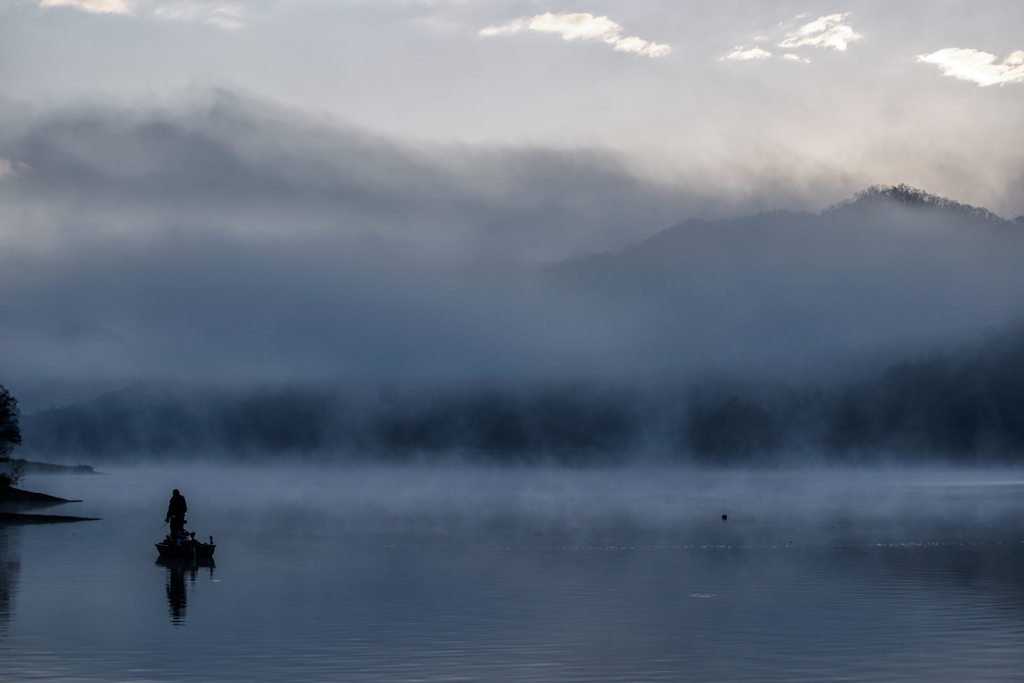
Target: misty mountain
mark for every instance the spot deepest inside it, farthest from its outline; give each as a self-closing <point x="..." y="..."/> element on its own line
<point x="893" y="269"/>
<point x="783" y="238"/>
<point x="239" y="246"/>
<point x="879" y="269"/>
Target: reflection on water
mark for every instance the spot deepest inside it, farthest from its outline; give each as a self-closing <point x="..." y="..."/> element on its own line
<point x="177" y="593"/>
<point x="408" y="575"/>
<point x="10" y="566"/>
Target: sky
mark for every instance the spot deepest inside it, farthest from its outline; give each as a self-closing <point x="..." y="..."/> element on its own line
<point x="735" y="98"/>
<point x="309" y="190"/>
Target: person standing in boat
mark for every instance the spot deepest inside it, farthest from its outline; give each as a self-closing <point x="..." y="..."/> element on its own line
<point x="176" y="510"/>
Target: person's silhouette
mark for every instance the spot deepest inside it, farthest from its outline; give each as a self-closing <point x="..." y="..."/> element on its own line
<point x="176" y="510"/>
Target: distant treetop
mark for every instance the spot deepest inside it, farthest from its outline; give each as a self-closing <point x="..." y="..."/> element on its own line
<point x="910" y="196"/>
<point x="10" y="431"/>
<point x="10" y="436"/>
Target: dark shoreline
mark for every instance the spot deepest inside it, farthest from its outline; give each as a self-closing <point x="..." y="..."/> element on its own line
<point x="15" y="518"/>
<point x="10" y="496"/>
<point x="32" y="467"/>
<point x="13" y="501"/>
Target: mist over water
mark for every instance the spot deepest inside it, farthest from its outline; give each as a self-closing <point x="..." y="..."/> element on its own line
<point x="437" y="572"/>
<point x="961" y="407"/>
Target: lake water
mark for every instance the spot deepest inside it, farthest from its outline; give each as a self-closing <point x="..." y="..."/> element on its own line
<point x="462" y="574"/>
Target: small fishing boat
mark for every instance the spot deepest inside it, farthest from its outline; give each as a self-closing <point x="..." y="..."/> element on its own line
<point x="185" y="545"/>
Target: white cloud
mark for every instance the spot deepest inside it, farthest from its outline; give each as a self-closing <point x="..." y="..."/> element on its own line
<point x="976" y="66"/>
<point x="94" y="6"/>
<point x="581" y="26"/>
<point x="829" y="31"/>
<point x="222" y="15"/>
<point x="741" y="54"/>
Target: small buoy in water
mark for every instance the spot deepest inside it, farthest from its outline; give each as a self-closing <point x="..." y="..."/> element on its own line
<point x="725" y="517"/>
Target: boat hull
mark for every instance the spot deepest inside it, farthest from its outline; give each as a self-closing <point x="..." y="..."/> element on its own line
<point x="186" y="549"/>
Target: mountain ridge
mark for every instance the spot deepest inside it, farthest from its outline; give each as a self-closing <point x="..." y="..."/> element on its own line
<point x="871" y="198"/>
<point x="907" y="195"/>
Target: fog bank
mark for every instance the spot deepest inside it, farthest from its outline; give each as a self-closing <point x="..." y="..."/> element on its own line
<point x="962" y="407"/>
<point x="235" y="246"/>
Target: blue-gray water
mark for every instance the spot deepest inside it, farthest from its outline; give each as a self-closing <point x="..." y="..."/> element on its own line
<point x="460" y="574"/>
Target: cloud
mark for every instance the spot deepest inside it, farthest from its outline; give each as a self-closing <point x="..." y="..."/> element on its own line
<point x="741" y="54"/>
<point x="581" y="26"/>
<point x="976" y="66"/>
<point x="12" y="168"/>
<point x="222" y="15"/>
<point x="829" y="31"/>
<point x="533" y="203"/>
<point x="93" y="6"/>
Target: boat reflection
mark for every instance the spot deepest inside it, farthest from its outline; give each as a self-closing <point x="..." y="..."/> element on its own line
<point x="178" y="570"/>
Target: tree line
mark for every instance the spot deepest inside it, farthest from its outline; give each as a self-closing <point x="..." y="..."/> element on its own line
<point x="10" y="436"/>
<point x="962" y="407"/>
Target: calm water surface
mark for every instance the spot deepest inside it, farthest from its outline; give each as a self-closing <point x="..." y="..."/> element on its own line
<point x="448" y="574"/>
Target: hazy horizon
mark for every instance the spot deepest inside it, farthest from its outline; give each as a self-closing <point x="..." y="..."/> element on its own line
<point x="271" y="194"/>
